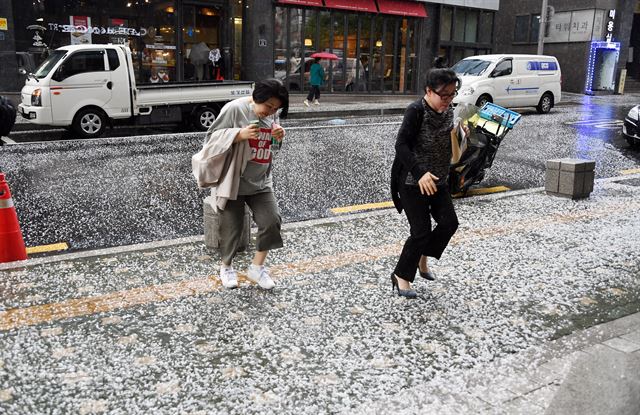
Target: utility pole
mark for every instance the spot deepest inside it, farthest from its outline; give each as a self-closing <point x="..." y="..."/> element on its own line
<point x="543" y="25"/>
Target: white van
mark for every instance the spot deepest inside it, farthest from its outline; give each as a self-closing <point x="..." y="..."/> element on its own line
<point x="509" y="81"/>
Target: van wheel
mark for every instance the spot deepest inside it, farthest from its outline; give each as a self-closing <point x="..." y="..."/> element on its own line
<point x="545" y="104"/>
<point x="203" y="118"/>
<point x="483" y="99"/>
<point x="89" y="123"/>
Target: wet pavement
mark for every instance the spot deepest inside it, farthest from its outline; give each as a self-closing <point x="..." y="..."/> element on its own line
<point x="119" y="191"/>
<point x="148" y="329"/>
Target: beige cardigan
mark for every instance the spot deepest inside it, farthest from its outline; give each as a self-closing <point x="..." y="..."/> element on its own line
<point x="220" y="163"/>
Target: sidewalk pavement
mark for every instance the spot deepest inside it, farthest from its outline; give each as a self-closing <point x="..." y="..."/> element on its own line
<point x="534" y="310"/>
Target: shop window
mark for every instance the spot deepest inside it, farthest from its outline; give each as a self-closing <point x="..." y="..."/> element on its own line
<point x="458" y="28"/>
<point x="521" y="33"/>
<point x="446" y="19"/>
<point x="485" y="27"/>
<point x="471" y="27"/>
<point x="280" y="70"/>
<point x="534" y="28"/>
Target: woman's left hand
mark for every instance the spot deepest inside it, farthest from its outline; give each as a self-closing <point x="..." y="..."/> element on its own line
<point x="277" y="132"/>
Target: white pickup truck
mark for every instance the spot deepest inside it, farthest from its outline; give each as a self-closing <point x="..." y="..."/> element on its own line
<point x="86" y="87"/>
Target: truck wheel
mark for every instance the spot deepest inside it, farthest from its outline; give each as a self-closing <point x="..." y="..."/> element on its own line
<point x="203" y="118"/>
<point x="545" y="104"/>
<point x="483" y="99"/>
<point x="90" y="123"/>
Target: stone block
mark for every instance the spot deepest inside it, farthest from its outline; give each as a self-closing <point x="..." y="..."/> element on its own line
<point x="571" y="178"/>
<point x="212" y="226"/>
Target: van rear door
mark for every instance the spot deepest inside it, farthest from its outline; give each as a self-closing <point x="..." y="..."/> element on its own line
<point x="81" y="80"/>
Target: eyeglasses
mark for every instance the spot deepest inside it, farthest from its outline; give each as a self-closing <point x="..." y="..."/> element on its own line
<point x="446" y="96"/>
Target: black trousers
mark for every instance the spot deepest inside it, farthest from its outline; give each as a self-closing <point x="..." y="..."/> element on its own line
<point x="314" y="93"/>
<point x="425" y="241"/>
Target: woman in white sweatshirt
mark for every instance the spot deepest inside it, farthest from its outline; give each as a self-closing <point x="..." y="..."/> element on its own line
<point x="247" y="128"/>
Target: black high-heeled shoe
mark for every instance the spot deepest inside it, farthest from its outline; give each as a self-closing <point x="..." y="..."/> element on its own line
<point x="402" y="293"/>
<point x="427" y="275"/>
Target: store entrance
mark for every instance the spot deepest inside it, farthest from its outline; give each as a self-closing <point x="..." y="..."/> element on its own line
<point x="201" y="46"/>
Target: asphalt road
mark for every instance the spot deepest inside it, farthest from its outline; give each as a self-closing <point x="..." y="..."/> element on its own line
<point x="118" y="191"/>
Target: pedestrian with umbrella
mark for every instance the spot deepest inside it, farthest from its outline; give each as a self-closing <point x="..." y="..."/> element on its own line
<point x="316" y="77"/>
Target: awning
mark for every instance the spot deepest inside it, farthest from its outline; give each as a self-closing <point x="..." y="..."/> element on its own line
<point x="313" y="3"/>
<point x="402" y="8"/>
<point x="353" y="5"/>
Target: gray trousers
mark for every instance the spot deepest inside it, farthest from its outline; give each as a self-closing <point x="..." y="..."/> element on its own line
<point x="265" y="214"/>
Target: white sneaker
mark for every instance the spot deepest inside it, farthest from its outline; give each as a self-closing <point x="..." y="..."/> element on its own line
<point x="306" y="102"/>
<point x="260" y="276"/>
<point x="316" y="102"/>
<point x="228" y="277"/>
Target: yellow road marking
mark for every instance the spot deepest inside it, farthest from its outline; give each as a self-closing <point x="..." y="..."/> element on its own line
<point x="630" y="171"/>
<point x="62" y="246"/>
<point x="77" y="307"/>
<point x="483" y="191"/>
<point x="385" y="205"/>
<point x="366" y="206"/>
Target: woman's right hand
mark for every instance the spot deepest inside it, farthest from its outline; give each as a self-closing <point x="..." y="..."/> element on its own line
<point x="249" y="132"/>
<point x="427" y="184"/>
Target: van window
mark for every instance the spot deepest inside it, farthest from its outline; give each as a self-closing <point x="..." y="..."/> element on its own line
<point x="114" y="61"/>
<point x="503" y="68"/>
<point x="473" y="67"/>
<point x="81" y="62"/>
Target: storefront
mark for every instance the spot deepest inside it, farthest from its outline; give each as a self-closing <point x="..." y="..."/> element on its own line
<point x="382" y="46"/>
<point x="590" y="39"/>
<point x="376" y="50"/>
<point x="171" y="41"/>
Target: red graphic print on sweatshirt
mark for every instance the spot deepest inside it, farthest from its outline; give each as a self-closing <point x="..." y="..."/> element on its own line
<point x="261" y="146"/>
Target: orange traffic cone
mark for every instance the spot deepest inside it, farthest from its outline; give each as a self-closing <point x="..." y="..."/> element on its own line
<point x="11" y="242"/>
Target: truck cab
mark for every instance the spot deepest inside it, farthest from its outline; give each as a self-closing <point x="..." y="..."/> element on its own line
<point x="86" y="87"/>
<point x="80" y="87"/>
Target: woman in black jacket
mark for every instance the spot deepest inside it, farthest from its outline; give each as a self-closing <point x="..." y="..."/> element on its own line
<point x="426" y="145"/>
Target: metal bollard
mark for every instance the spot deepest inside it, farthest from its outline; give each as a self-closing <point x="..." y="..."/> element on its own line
<point x="212" y="226"/>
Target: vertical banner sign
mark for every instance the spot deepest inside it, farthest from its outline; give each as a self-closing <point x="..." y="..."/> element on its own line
<point x="610" y="24"/>
<point x="3" y="23"/>
<point x="81" y="33"/>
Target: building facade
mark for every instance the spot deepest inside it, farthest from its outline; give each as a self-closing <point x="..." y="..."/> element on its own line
<point x="592" y="39"/>
<point x="381" y="46"/>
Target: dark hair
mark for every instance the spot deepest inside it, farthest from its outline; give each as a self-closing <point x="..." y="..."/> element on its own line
<point x="272" y="88"/>
<point x="439" y="77"/>
<point x="317" y="60"/>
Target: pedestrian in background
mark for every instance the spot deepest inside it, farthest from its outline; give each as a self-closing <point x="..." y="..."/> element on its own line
<point x="440" y="62"/>
<point x="426" y="145"/>
<point x="236" y="159"/>
<point x="316" y="79"/>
